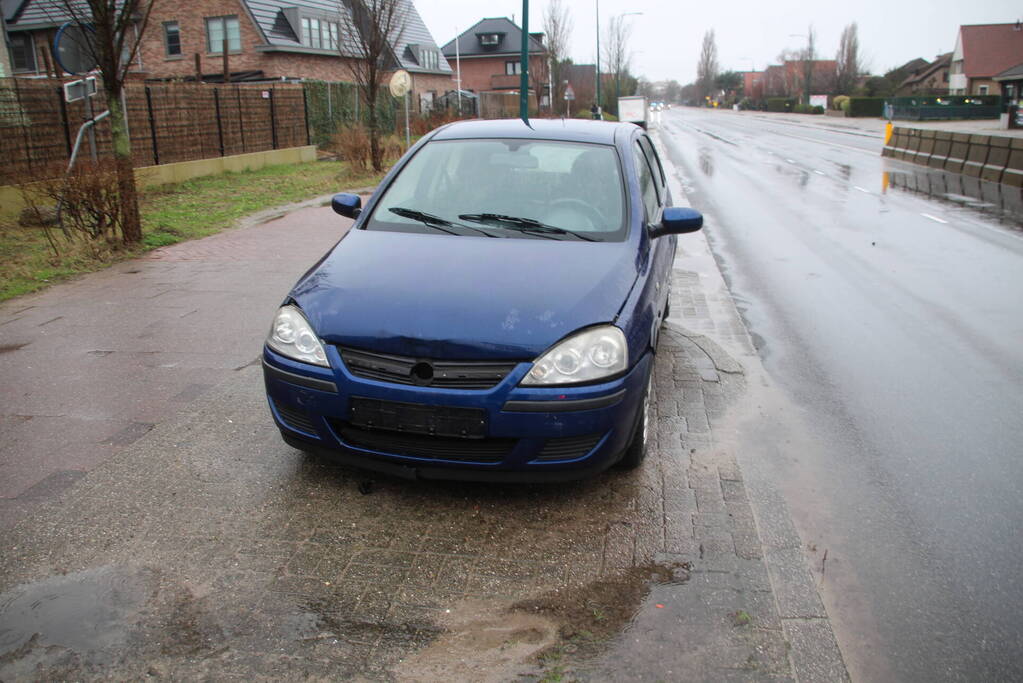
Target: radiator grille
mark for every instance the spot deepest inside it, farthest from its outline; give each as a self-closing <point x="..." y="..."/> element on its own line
<point x="440" y="373"/>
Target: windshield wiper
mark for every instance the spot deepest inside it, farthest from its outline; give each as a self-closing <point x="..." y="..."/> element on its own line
<point x="527" y="225"/>
<point x="435" y="221"/>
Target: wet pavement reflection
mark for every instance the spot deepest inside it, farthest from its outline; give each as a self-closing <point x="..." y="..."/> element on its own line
<point x="1001" y="203"/>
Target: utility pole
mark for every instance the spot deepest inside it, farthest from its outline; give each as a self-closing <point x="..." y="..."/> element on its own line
<point x="597" y="6"/>
<point x="524" y="75"/>
<point x="458" y="70"/>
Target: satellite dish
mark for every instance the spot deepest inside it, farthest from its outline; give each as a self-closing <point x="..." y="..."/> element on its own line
<point x="73" y="48"/>
<point x="401" y="83"/>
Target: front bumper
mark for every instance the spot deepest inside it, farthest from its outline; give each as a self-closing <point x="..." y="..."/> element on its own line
<point x="531" y="434"/>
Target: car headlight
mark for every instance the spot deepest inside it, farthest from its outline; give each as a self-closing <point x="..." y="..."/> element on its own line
<point x="292" y="336"/>
<point x="590" y="355"/>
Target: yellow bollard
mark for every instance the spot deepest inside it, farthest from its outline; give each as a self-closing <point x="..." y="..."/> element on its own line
<point x="887" y="132"/>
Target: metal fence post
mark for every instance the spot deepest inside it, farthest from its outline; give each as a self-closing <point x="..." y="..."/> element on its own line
<point x="64" y="121"/>
<point x="220" y="124"/>
<point x="273" y="119"/>
<point x="305" y="107"/>
<point x="152" y="126"/>
<point x="241" y="119"/>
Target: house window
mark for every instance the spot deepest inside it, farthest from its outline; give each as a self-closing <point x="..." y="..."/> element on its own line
<point x="219" y="27"/>
<point x="957" y="66"/>
<point x="513" y="68"/>
<point x="172" y="38"/>
<point x="429" y="58"/>
<point x="320" y="33"/>
<point x="23" y="54"/>
<point x="983" y="90"/>
<point x="489" y="39"/>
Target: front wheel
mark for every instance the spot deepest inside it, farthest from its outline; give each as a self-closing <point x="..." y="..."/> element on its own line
<point x="636" y="452"/>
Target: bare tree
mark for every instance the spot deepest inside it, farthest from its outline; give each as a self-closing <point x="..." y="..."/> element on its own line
<point x="374" y="28"/>
<point x="707" y="67"/>
<point x="809" y="57"/>
<point x="114" y="31"/>
<point x="616" y="52"/>
<point x="849" y="65"/>
<point x="557" y="28"/>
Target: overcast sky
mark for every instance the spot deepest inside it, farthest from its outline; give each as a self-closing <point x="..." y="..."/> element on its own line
<point x="666" y="37"/>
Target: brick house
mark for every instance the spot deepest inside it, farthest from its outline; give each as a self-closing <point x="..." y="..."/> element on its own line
<point x="930" y="79"/>
<point x="489" y="53"/>
<point x="753" y="85"/>
<point x="789" y="79"/>
<point x="982" y="52"/>
<point x="266" y="40"/>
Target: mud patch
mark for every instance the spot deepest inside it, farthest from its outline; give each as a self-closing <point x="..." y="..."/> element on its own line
<point x="482" y="642"/>
<point x="543" y="637"/>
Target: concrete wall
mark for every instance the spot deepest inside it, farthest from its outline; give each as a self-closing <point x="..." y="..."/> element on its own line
<point x="149" y="176"/>
<point x="994" y="158"/>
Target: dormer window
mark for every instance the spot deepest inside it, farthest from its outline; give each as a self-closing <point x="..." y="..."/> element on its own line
<point x="320" y="33"/>
<point x="490" y="39"/>
<point x="426" y="57"/>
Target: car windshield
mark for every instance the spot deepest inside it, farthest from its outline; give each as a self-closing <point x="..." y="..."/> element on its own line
<point x="536" y="189"/>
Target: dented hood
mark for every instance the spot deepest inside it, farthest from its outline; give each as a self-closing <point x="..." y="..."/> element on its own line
<point x="468" y="298"/>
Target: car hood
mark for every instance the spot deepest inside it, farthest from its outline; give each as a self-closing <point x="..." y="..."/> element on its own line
<point x="466" y="298"/>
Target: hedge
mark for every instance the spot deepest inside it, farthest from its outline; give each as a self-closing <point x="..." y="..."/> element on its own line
<point x="865" y="106"/>
<point x="780" y="103"/>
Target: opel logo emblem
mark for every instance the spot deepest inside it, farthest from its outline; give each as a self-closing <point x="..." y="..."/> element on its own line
<point x="422" y="373"/>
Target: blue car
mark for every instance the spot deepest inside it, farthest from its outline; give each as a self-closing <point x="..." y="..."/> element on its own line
<point x="493" y="312"/>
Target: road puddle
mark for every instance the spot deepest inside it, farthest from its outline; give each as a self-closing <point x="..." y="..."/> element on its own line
<point x="86" y="611"/>
<point x="540" y="637"/>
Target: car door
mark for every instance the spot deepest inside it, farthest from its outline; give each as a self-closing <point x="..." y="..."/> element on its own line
<point x="662" y="248"/>
<point x="654" y="290"/>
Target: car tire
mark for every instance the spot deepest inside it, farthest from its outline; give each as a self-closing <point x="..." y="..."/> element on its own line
<point x="636" y="451"/>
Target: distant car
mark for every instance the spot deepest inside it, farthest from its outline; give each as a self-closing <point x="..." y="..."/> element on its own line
<point x="494" y="311"/>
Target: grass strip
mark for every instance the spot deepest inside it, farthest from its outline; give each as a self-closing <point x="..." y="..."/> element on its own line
<point x="170" y="214"/>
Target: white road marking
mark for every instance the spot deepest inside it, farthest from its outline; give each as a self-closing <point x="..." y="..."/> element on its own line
<point x="933" y="218"/>
<point x="818" y="172"/>
<point x="857" y="187"/>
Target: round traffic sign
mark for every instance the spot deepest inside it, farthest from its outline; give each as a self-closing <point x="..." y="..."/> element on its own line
<point x="401" y="83"/>
<point x="74" y="49"/>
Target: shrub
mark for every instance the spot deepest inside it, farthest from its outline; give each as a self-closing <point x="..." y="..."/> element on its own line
<point x="393" y="146"/>
<point x="87" y="201"/>
<point x="865" y="106"/>
<point x="780" y="103"/>
<point x="839" y="102"/>
<point x="351" y="143"/>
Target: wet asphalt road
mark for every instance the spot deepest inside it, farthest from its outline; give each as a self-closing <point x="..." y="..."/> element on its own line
<point x="892" y="321"/>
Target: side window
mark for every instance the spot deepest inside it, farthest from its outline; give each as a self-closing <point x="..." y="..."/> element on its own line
<point x="655" y="165"/>
<point x="646" y="184"/>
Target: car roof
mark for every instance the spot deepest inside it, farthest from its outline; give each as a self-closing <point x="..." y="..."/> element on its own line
<point x="569" y="130"/>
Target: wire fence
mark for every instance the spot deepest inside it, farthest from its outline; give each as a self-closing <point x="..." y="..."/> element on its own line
<point x="168" y="123"/>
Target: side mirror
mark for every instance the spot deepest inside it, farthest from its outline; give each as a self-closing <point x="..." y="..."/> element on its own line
<point x="348" y="205"/>
<point x="677" y="221"/>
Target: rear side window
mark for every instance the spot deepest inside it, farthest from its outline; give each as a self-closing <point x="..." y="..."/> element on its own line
<point x="646" y="184"/>
<point x="655" y="165"/>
